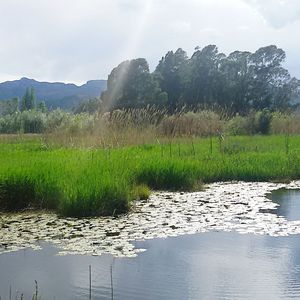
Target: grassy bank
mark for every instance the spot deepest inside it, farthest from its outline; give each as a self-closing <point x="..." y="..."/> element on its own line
<point x="87" y="182"/>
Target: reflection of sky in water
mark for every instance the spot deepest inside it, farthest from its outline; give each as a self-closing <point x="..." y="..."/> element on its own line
<point x="231" y="266"/>
<point x="289" y="203"/>
<point x="213" y="265"/>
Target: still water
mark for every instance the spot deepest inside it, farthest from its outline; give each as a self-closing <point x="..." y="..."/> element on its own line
<point x="212" y="265"/>
<point x="289" y="203"/>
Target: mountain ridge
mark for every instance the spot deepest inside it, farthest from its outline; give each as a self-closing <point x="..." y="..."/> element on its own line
<point x="55" y="94"/>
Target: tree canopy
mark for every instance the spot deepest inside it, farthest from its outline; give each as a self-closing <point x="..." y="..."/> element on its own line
<point x="28" y="100"/>
<point x="238" y="82"/>
<point x="131" y="85"/>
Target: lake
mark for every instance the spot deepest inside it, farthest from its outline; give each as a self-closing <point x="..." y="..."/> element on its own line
<point x="208" y="265"/>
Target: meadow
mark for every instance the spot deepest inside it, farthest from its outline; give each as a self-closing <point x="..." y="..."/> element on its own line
<point x="92" y="181"/>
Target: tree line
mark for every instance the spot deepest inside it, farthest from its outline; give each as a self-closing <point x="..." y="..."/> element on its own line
<point x="238" y="83"/>
<point x="28" y="102"/>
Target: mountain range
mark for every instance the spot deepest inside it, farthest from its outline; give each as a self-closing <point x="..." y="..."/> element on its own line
<point x="55" y="94"/>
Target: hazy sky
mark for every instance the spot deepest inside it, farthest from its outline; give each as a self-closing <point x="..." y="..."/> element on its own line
<point x="78" y="40"/>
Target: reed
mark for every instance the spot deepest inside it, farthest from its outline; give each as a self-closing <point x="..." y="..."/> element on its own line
<point x="101" y="181"/>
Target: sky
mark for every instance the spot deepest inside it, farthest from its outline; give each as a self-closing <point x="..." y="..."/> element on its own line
<point x="79" y="40"/>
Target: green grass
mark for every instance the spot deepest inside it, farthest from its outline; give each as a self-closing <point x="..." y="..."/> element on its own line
<point x="89" y="182"/>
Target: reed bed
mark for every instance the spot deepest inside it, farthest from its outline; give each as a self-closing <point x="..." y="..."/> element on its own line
<point x="101" y="181"/>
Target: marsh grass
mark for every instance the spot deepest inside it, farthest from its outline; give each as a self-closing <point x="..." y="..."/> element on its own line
<point x="101" y="181"/>
<point x="141" y="192"/>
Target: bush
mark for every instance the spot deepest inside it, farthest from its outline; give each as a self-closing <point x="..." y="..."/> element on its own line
<point x="263" y="121"/>
<point x="141" y="192"/>
<point x="283" y="123"/>
<point x="29" y="121"/>
<point x="202" y="123"/>
<point x="238" y="126"/>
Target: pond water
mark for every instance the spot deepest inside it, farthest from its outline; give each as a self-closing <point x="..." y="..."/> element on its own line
<point x="208" y="265"/>
<point x="289" y="203"/>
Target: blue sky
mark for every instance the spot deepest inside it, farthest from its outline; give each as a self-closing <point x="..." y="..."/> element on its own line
<point x="79" y="40"/>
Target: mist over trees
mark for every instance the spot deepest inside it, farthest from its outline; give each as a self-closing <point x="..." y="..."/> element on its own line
<point x="130" y="85"/>
<point x="240" y="82"/>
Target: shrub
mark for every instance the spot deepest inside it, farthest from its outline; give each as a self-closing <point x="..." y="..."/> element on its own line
<point x="141" y="192"/>
<point x="238" y="125"/>
<point x="263" y="121"/>
<point x="202" y="123"/>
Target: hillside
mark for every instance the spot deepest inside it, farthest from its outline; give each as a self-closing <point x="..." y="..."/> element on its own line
<point x="56" y="94"/>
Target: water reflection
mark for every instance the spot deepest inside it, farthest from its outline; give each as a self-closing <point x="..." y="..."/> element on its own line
<point x="289" y="203"/>
<point x="215" y="265"/>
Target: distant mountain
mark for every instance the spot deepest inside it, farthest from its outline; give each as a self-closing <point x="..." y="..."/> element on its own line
<point x="56" y="94"/>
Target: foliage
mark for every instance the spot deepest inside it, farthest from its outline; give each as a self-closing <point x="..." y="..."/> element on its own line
<point x="42" y="107"/>
<point x="86" y="182"/>
<point x="239" y="83"/>
<point x="169" y="74"/>
<point x="91" y="106"/>
<point x="131" y="85"/>
<point x="239" y="125"/>
<point x="9" y="107"/>
<point x="201" y="123"/>
<point x="141" y="192"/>
<point x="263" y="121"/>
<point x="36" y="121"/>
<point x="28" y="100"/>
<point x="136" y="126"/>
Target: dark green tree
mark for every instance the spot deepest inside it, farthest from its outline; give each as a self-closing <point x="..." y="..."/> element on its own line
<point x="28" y="100"/>
<point x="42" y="107"/>
<point x="204" y="85"/>
<point x="268" y="76"/>
<point x="130" y="85"/>
<point x="237" y="82"/>
<point x="32" y="103"/>
<point x="9" y="107"/>
<point x="170" y="74"/>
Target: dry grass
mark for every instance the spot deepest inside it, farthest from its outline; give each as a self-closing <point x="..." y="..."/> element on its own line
<point x="285" y="123"/>
<point x="138" y="127"/>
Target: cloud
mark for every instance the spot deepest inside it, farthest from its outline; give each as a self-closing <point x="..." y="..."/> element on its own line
<point x="277" y="13"/>
<point x="181" y="27"/>
<point x="74" y="41"/>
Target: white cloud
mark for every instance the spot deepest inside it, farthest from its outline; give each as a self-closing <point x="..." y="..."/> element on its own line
<point x="79" y="40"/>
<point x="278" y="13"/>
<point x="181" y="27"/>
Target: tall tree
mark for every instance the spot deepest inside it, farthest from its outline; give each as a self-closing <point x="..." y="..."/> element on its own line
<point x="32" y="103"/>
<point x="131" y="85"/>
<point x="269" y="77"/>
<point x="28" y="100"/>
<point x="42" y="107"/>
<point x="238" y="80"/>
<point x="170" y="74"/>
<point x="9" y="107"/>
<point x="204" y="84"/>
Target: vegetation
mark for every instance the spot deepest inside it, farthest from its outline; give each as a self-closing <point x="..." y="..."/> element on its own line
<point x="9" y="107"/>
<point x="174" y="129"/>
<point x="238" y="83"/>
<point x="88" y="182"/>
<point x="56" y="95"/>
<point x="28" y="100"/>
<point x="243" y="90"/>
<point x="156" y="122"/>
